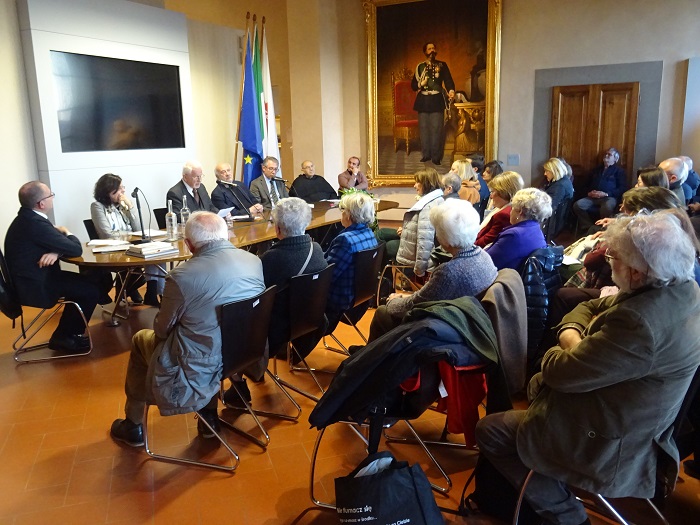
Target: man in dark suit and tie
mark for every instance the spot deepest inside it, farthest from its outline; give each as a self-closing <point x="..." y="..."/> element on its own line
<point x="232" y="194"/>
<point x="268" y="189"/>
<point x="192" y="187"/>
<point x="32" y="248"/>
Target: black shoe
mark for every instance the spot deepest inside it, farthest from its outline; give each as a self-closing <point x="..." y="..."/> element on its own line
<point x="436" y="162"/>
<point x="151" y="299"/>
<point x="127" y="432"/>
<point x="353" y="349"/>
<point x="135" y="297"/>
<point x="212" y="417"/>
<point x="692" y="468"/>
<point x="104" y="299"/>
<point x="425" y="159"/>
<point x="233" y="399"/>
<point x="69" y="344"/>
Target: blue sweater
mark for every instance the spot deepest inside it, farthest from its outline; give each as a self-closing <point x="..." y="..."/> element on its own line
<point x="515" y="243"/>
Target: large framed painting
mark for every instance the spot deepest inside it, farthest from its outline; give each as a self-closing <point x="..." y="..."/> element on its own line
<point x="466" y="36"/>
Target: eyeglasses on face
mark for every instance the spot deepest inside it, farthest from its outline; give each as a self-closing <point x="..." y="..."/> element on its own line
<point x="608" y="257"/>
<point x="52" y="194"/>
<point x="273" y="169"/>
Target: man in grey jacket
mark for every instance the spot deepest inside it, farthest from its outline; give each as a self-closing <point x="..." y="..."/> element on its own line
<point x="178" y="364"/>
<point x="605" y="401"/>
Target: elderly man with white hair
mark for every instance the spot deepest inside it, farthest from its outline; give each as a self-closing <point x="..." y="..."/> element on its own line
<point x="469" y="273"/>
<point x="190" y="186"/>
<point x="178" y="364"/>
<point x="603" y="405"/>
<point x="677" y="172"/>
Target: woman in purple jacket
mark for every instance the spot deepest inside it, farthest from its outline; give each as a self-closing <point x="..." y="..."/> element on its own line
<point x="529" y="207"/>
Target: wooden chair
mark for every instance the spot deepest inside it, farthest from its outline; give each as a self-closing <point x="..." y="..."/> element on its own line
<point x="405" y="117"/>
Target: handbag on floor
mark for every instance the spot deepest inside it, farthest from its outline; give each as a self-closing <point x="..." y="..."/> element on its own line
<point x="382" y="490"/>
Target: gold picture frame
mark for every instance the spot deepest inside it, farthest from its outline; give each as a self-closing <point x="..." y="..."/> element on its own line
<point x="379" y="97"/>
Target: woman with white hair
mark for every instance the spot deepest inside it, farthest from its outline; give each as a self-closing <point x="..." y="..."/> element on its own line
<point x="529" y="207"/>
<point x="470" y="185"/>
<point x="294" y="254"/>
<point x="469" y="273"/>
<point x="357" y="215"/>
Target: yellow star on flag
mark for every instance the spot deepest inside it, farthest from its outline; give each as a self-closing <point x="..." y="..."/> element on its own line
<point x="248" y="159"/>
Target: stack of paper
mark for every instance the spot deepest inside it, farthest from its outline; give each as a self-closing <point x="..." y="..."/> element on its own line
<point x="150" y="250"/>
<point x="108" y="245"/>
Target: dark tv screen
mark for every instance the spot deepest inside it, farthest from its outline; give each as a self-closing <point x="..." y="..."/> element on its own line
<point x="112" y="104"/>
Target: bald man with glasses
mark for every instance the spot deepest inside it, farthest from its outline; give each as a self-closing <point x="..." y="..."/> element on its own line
<point x="33" y="247"/>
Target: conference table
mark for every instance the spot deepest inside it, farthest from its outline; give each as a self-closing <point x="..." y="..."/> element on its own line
<point x="241" y="234"/>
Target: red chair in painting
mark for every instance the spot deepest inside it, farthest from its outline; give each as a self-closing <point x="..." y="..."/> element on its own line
<point x="405" y="117"/>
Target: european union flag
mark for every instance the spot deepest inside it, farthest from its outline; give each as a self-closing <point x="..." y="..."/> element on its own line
<point x="250" y="133"/>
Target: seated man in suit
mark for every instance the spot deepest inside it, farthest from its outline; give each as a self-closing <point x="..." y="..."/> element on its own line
<point x="311" y="187"/>
<point x="269" y="188"/>
<point x="178" y="364"/>
<point x="232" y="194"/>
<point x="190" y="186"/>
<point x="32" y="248"/>
<point x="605" y="401"/>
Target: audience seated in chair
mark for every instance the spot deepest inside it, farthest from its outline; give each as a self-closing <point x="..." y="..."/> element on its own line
<point x="178" y="365"/>
<point x="524" y="235"/>
<point x="503" y="187"/>
<point x="607" y="396"/>
<point x="32" y="248"/>
<point x="111" y="212"/>
<point x="469" y="273"/>
<point x="607" y="184"/>
<point x="294" y="254"/>
<point x="411" y="244"/>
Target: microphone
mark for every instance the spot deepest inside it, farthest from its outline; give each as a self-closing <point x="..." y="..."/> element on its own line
<point x="144" y="236"/>
<point x="134" y="193"/>
<point x="231" y="187"/>
<point x="279" y="179"/>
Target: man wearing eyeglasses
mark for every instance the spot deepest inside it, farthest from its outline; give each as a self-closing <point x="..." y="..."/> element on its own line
<point x="603" y="405"/>
<point x="33" y="247"/>
<point x="311" y="187"/>
<point x="192" y="187"/>
<point x="608" y="183"/>
<point x="269" y="188"/>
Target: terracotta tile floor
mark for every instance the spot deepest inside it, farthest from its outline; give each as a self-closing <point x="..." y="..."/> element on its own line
<point x="59" y="465"/>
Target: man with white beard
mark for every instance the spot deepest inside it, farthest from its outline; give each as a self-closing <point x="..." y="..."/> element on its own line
<point x="605" y="401"/>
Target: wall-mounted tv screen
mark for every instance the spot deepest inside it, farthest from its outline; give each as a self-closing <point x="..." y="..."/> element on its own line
<point x="112" y="104"/>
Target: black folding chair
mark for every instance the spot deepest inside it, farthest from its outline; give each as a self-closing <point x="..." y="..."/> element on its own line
<point x="244" y="326"/>
<point x="367" y="264"/>
<point x="159" y="214"/>
<point x="307" y="295"/>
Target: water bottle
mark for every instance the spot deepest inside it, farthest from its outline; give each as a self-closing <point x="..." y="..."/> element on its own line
<point x="171" y="222"/>
<point x="184" y="212"/>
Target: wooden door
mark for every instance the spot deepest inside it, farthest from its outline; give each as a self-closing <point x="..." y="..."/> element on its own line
<point x="589" y="119"/>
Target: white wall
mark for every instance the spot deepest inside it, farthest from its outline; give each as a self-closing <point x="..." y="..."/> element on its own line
<point x="542" y="34"/>
<point x="117" y="29"/>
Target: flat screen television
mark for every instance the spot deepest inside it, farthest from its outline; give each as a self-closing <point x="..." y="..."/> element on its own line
<point x="108" y="104"/>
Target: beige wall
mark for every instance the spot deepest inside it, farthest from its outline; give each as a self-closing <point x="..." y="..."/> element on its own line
<point x="542" y="34"/>
<point x="16" y="139"/>
<point x="233" y="14"/>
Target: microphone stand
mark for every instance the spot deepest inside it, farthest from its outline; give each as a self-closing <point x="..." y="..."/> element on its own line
<point x="144" y="236"/>
<point x="231" y="187"/>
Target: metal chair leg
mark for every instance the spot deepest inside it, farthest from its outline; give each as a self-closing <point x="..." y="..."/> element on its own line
<point x="255" y="413"/>
<point x="308" y="369"/>
<point x="29" y="334"/>
<point x="185" y="461"/>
